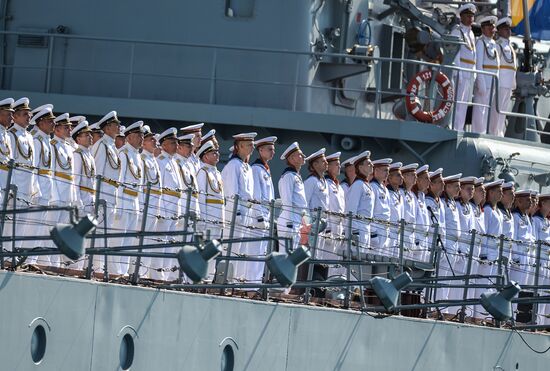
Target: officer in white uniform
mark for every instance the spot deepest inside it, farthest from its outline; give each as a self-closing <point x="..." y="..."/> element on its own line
<point x="107" y="165"/>
<point x="196" y="130"/>
<point x="349" y="174"/>
<point x="382" y="206"/>
<point x="467" y="224"/>
<point x="524" y="233"/>
<point x="293" y="196"/>
<point x="360" y="200"/>
<point x="43" y="128"/>
<point x="507" y="76"/>
<point x="394" y="185"/>
<point x="75" y="120"/>
<point x="453" y="261"/>
<point x="63" y="190"/>
<point x="465" y="58"/>
<point x="436" y="208"/>
<point x="151" y="174"/>
<point x="423" y="223"/>
<point x="408" y="172"/>
<point x="131" y="181"/>
<point x="97" y="133"/>
<point x="188" y="179"/>
<point x="238" y="180"/>
<point x="211" y="196"/>
<point x="541" y="228"/>
<point x="264" y="193"/>
<point x="6" y="116"/>
<point x="505" y="207"/>
<point x="336" y="204"/>
<point x="486" y="60"/>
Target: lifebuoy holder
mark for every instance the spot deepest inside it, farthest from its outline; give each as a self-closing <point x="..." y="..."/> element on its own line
<point x="414" y="105"/>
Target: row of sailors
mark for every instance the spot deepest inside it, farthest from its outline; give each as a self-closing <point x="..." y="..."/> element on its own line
<point x="489" y="54"/>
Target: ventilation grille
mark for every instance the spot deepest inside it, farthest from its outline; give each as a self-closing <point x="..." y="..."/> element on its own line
<point x="32" y="41"/>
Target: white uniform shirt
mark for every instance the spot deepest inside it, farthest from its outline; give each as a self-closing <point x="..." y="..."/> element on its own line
<point x="508" y="63"/>
<point x="382" y="211"/>
<point x="507" y="229"/>
<point x="466" y="56"/>
<point x="396" y="213"/>
<point x="264" y="191"/>
<point x="486" y="60"/>
<point x="317" y="193"/>
<point x="345" y="186"/>
<point x="212" y="196"/>
<point x="467" y="224"/>
<point x="151" y="174"/>
<point x="493" y="226"/>
<point x="194" y="163"/>
<point x="5" y="156"/>
<point x="107" y="164"/>
<point x="409" y="215"/>
<point x="238" y="180"/>
<point x="452" y="225"/>
<point x="423" y="221"/>
<point x="523" y="230"/>
<point x="63" y="190"/>
<point x="23" y="153"/>
<point x="130" y="177"/>
<point x="43" y="161"/>
<point x="360" y="201"/>
<point x="171" y="194"/>
<point x="336" y="204"/>
<point x="293" y="199"/>
<point x="84" y="173"/>
<point x="188" y="180"/>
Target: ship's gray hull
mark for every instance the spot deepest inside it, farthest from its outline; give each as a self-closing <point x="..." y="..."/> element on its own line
<point x="85" y="322"/>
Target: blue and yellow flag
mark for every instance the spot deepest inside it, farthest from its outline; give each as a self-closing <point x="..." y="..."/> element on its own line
<point x="539" y="18"/>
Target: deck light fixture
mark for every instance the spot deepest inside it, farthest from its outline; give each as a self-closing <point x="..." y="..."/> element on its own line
<point x="285" y="267"/>
<point x="69" y="238"/>
<point x="388" y="290"/>
<point x="499" y="304"/>
<point x="194" y="261"/>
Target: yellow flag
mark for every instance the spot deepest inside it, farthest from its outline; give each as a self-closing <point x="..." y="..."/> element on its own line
<point x="517" y="10"/>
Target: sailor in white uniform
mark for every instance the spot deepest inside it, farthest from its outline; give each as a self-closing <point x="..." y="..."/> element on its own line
<point x="453" y="262"/>
<point x="382" y="206"/>
<point x="107" y="164"/>
<point x="477" y="203"/>
<point x="131" y="181"/>
<point x="360" y="200"/>
<point x="188" y="179"/>
<point x="408" y="173"/>
<point x="507" y="76"/>
<point x="293" y="197"/>
<point x="465" y="58"/>
<point x="423" y="221"/>
<point x="486" y="60"/>
<point x="264" y="193"/>
<point x="151" y="174"/>
<point x="6" y="117"/>
<point x="467" y="223"/>
<point x="505" y="207"/>
<point x="196" y="130"/>
<point x="97" y="133"/>
<point x="238" y="180"/>
<point x="349" y="174"/>
<point x="63" y="189"/>
<point x="336" y="204"/>
<point x="436" y="207"/>
<point x="23" y="153"/>
<point x="541" y="228"/>
<point x="211" y="196"/>
<point x="170" y="199"/>
<point x="75" y="120"/>
<point x="41" y="223"/>
<point x="524" y="234"/>
<point x="394" y="185"/>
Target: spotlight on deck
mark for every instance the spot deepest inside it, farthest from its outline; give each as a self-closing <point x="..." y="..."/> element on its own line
<point x="499" y="304"/>
<point x="388" y="290"/>
<point x="285" y="267"/>
<point x="69" y="238"/>
<point x="194" y="261"/>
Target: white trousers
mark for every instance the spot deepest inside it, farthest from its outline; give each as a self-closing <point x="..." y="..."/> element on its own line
<point x="497" y="120"/>
<point x="479" y="113"/>
<point x="464" y="94"/>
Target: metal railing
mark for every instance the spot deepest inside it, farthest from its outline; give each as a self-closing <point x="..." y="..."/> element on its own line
<point x="465" y="262"/>
<point x="212" y="78"/>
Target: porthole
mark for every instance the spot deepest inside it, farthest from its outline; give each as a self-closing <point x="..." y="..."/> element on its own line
<point x="38" y="344"/>
<point x="228" y="358"/>
<point x="126" y="353"/>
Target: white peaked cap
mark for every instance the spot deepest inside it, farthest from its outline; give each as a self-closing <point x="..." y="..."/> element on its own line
<point x="467" y="6"/>
<point x="109" y="117"/>
<point x="382" y="162"/>
<point x="62" y="119"/>
<point x="334" y="156"/>
<point x="505" y="20"/>
<point x="40" y="108"/>
<point x="349" y="161"/>
<point x="487" y="19"/>
<point x="77" y="119"/>
<point x="186" y="137"/>
<point x="46" y="112"/>
<point x="21" y="104"/>
<point x="5" y="104"/>
<point x="363" y="155"/>
<point x="206" y="136"/>
<point x="121" y="131"/>
<point x="396" y="166"/>
<point x="423" y="169"/>
<point x="452" y="178"/>
<point x="264" y="141"/>
<point x="245" y="136"/>
<point x="192" y="128"/>
<point x="496" y="183"/>
<point x="168" y="133"/>
<point x="315" y="155"/>
<point x="467" y="180"/>
<point x="438" y="172"/>
<point x="136" y="127"/>
<point x="291" y="149"/>
<point x="409" y="168"/>
<point x="82" y="127"/>
<point x="508" y="185"/>
<point x="205" y="148"/>
<point x="479" y="181"/>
